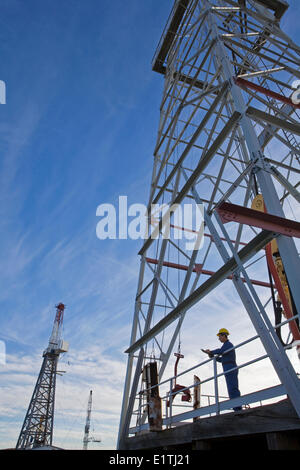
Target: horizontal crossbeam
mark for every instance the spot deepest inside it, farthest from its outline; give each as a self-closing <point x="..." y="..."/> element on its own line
<point x="241" y="82"/>
<point x="198" y="269"/>
<point x="257" y="114"/>
<point x="234" y="213"/>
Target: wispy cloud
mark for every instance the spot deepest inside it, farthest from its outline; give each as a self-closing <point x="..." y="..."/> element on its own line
<point x="85" y="369"/>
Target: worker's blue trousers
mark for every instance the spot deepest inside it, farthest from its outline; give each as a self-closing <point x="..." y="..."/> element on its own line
<point x="232" y="383"/>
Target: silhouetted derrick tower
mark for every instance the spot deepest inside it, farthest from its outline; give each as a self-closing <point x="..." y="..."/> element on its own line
<point x="87" y="438"/>
<point x="37" y="429"/>
<point x="228" y="141"/>
<point x="88" y="422"/>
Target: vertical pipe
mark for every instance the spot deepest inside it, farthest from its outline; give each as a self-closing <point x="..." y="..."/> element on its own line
<point x="216" y="385"/>
<point x="171" y="400"/>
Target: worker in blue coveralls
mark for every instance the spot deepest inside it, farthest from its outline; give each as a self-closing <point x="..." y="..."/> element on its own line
<point x="228" y="362"/>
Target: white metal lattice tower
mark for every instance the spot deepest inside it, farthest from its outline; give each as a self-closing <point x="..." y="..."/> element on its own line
<point x="87" y="438"/>
<point x="228" y="132"/>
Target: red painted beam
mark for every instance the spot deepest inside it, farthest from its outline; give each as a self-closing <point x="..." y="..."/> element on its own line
<point x="198" y="269"/>
<point x="205" y="234"/>
<point x="241" y="82"/>
<point x="243" y="215"/>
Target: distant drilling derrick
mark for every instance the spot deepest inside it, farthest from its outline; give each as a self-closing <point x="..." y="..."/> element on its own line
<point x="87" y="438"/>
<point x="37" y="429"/>
<point x="228" y="134"/>
<point x="88" y="423"/>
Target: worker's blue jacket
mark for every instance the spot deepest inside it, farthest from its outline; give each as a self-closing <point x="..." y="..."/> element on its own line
<point x="228" y="362"/>
<point x="226" y="358"/>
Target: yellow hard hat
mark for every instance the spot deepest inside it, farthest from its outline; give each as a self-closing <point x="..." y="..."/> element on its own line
<point x="223" y="330"/>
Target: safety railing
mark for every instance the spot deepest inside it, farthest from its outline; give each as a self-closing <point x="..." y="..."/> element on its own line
<point x="216" y="403"/>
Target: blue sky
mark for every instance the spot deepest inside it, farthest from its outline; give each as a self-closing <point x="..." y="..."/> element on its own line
<point x="78" y="130"/>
